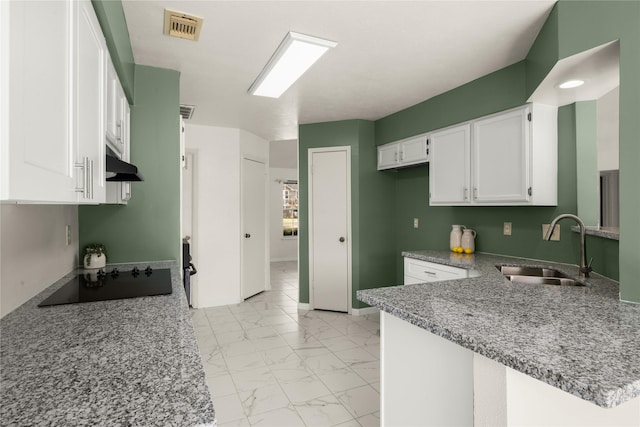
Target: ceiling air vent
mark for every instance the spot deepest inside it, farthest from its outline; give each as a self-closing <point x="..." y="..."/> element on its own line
<point x="179" y="24"/>
<point x="186" y="111"/>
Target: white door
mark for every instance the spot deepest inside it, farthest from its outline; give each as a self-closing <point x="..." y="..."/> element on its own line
<point x="254" y="211"/>
<point x="449" y="165"/>
<point x="329" y="223"/>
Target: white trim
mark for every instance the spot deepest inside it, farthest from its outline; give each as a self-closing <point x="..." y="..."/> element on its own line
<point x="364" y="311"/>
<point x="284" y="259"/>
<point x="310" y="153"/>
<point x="304" y="306"/>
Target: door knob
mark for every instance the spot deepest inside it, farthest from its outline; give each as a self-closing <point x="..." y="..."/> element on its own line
<point x="341" y="239"/>
<point x="247" y="235"/>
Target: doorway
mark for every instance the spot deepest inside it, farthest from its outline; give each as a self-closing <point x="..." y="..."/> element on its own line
<point x="254" y="214"/>
<point x="330" y="228"/>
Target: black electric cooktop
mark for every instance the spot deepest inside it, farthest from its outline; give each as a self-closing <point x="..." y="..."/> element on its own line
<point x="101" y="286"/>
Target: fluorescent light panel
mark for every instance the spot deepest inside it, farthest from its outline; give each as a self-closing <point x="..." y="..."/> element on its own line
<point x="295" y="55"/>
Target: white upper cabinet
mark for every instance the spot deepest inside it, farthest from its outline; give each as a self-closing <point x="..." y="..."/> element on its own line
<point x="388" y="156"/>
<point x="508" y="158"/>
<point x="89" y="77"/>
<point x="38" y="154"/>
<point x="407" y="152"/>
<point x="53" y="115"/>
<point x="500" y="157"/>
<point x="449" y="171"/>
<point x="120" y="192"/>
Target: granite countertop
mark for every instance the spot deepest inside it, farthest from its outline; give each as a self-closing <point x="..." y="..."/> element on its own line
<point x="583" y="340"/>
<point x="122" y="362"/>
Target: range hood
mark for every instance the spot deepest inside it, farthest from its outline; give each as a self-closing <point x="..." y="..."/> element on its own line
<point x="119" y="171"/>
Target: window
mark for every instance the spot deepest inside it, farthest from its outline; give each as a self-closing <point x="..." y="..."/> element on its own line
<point x="290" y="209"/>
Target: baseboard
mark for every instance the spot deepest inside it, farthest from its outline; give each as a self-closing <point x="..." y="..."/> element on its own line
<point x="364" y="311"/>
<point x="303" y="306"/>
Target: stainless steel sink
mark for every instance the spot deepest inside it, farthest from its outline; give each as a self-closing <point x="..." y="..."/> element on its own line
<point x="537" y="275"/>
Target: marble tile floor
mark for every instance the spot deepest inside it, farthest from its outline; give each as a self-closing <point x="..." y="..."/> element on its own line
<point x="269" y="364"/>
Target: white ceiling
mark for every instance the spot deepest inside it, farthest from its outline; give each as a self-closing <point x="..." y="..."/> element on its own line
<point x="390" y="54"/>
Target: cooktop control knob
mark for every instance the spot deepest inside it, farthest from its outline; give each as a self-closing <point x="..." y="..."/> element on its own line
<point x="114" y="273"/>
<point x="135" y="272"/>
<point x="148" y="271"/>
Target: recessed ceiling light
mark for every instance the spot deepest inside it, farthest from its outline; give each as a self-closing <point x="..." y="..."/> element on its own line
<point x="295" y="55"/>
<point x="571" y="84"/>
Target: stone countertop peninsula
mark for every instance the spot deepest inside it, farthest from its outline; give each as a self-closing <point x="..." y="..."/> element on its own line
<point x="131" y="362"/>
<point x="583" y="340"/>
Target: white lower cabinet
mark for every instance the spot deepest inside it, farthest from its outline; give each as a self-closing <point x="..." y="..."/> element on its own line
<point x="418" y="271"/>
<point x="508" y="158"/>
<point x="427" y="380"/>
<point x="408" y="152"/>
<point x="52" y="78"/>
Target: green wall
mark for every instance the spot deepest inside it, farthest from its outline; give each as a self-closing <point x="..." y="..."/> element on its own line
<point x="586" y="24"/>
<point x="114" y="27"/>
<point x="148" y="228"/>
<point x="572" y="27"/>
<point x="587" y="162"/>
<point x="372" y="217"/>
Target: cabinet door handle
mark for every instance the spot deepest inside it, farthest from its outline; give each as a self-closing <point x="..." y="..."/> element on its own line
<point x="401" y="155"/>
<point x="466" y="193"/>
<point x="91" y="179"/>
<point x="431" y="273"/>
<point x="119" y="133"/>
<point x="395" y="157"/>
<point x="85" y="165"/>
<point x="475" y="193"/>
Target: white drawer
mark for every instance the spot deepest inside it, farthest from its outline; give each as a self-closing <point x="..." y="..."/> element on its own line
<point x="416" y="271"/>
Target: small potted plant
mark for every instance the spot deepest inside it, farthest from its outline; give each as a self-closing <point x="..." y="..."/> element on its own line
<point x="95" y="256"/>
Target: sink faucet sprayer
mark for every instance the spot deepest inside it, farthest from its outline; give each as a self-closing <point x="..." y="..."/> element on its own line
<point x="584" y="268"/>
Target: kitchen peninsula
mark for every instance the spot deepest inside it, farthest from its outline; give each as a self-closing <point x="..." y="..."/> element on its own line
<point x="121" y="362"/>
<point x="487" y="351"/>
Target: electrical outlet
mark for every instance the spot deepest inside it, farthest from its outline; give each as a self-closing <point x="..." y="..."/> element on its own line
<point x="506" y="229"/>
<point x="556" y="232"/>
<point x="68" y="234"/>
<point x="415" y="223"/>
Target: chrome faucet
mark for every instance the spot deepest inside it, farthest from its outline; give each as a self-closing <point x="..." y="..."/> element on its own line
<point x="584" y="268"/>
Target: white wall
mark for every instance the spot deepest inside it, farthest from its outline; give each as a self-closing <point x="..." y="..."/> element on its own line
<point x="282" y="249"/>
<point x="33" y="250"/>
<point x="216" y="238"/>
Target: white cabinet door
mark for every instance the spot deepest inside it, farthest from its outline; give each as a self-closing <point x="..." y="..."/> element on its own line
<point x="414" y="151"/>
<point x="89" y="102"/>
<point x="388" y="156"/>
<point x="449" y="172"/>
<point x="36" y="143"/>
<point x="112" y="108"/>
<point x="501" y="160"/>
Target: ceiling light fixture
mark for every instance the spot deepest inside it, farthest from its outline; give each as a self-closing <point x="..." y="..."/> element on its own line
<point x="569" y="84"/>
<point x="295" y="55"/>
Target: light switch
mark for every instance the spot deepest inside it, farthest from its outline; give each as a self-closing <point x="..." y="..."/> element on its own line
<point x="506" y="229"/>
<point x="415" y="223"/>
